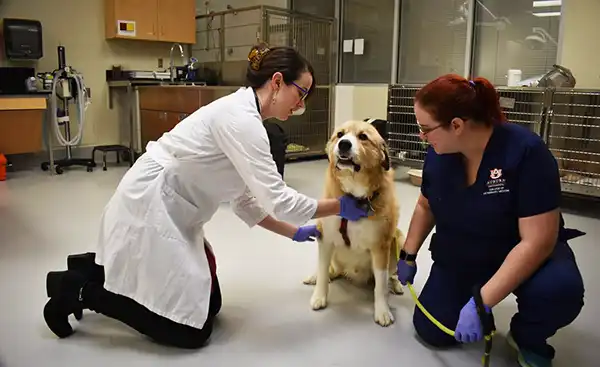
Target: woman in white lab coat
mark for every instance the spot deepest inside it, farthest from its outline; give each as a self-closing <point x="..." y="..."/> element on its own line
<point x="155" y="270"/>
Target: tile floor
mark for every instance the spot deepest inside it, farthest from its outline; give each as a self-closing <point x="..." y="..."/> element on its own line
<point x="266" y="319"/>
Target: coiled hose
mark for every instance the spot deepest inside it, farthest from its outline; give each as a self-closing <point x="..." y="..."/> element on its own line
<point x="82" y="102"/>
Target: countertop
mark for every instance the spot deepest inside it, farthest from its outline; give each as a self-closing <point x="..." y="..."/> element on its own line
<point x="141" y="83"/>
<point x="22" y="102"/>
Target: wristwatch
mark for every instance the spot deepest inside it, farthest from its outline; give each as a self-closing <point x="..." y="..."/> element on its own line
<point x="407" y="257"/>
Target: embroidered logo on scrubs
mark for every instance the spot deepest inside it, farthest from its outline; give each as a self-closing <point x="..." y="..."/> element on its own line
<point x="496" y="184"/>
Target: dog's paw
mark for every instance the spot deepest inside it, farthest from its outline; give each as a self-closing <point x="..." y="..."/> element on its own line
<point x="383" y="315"/>
<point x="312" y="280"/>
<point x="318" y="301"/>
<point x="395" y="286"/>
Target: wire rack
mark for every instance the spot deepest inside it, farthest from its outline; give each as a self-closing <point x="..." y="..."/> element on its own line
<point x="404" y="142"/>
<point x="224" y="39"/>
<point x="567" y="120"/>
<point x="312" y="37"/>
<point x="574" y="139"/>
<point x="523" y="106"/>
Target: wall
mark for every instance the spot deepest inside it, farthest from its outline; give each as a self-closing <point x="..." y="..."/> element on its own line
<point x="357" y="102"/>
<point x="578" y="52"/>
<point x="79" y="26"/>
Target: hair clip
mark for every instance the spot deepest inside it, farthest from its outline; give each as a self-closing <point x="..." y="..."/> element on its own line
<point x="472" y="83"/>
<point x="256" y="56"/>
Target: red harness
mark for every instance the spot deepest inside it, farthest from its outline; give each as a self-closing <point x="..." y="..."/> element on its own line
<point x="364" y="203"/>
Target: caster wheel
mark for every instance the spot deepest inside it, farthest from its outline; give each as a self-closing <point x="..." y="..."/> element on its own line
<point x="90" y="169"/>
<point x="45" y="166"/>
<point x="59" y="170"/>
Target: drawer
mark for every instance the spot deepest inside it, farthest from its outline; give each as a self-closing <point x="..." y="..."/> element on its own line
<point x="169" y="99"/>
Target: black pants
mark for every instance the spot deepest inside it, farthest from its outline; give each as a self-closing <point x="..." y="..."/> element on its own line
<point x="156" y="327"/>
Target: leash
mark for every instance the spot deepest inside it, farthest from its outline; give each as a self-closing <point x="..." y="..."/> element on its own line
<point x="487" y="321"/>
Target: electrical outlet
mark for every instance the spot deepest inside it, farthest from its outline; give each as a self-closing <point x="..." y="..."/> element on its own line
<point x="160" y="63"/>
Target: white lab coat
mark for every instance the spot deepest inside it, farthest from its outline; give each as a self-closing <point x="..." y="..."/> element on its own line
<point x="151" y="232"/>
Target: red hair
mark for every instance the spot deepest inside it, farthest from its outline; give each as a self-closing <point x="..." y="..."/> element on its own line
<point x="451" y="96"/>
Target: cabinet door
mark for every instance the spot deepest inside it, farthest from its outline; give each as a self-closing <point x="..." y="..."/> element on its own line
<point x="143" y="13"/>
<point x="177" y="21"/>
<point x="154" y="124"/>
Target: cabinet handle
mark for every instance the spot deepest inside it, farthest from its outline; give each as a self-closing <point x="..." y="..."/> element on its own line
<point x="182" y="116"/>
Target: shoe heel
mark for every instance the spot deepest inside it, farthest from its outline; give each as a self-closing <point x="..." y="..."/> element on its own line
<point x="79" y="261"/>
<point x="85" y="264"/>
<point x="57" y="321"/>
<point x="53" y="281"/>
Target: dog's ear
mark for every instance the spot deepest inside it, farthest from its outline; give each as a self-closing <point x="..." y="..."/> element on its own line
<point x="386" y="163"/>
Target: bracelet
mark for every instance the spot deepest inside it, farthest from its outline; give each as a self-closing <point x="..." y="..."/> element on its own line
<point x="407" y="257"/>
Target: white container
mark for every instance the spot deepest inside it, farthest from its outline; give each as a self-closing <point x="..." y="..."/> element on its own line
<point x="514" y="77"/>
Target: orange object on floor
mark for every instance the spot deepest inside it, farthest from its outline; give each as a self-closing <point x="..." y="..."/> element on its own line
<point x="3" y="162"/>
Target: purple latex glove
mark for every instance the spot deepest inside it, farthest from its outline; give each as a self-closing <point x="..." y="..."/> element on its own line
<point x="406" y="271"/>
<point x="469" y="329"/>
<point x="350" y="208"/>
<point x="306" y="233"/>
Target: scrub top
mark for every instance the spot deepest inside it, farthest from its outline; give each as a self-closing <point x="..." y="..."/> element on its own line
<point x="478" y="225"/>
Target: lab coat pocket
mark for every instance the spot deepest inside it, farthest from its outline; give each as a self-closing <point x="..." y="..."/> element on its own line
<point x="179" y="218"/>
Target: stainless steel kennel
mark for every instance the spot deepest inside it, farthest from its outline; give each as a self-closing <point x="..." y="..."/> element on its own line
<point x="225" y="38"/>
<point x="567" y="119"/>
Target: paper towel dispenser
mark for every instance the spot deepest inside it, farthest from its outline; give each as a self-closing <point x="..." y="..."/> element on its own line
<point x="22" y="39"/>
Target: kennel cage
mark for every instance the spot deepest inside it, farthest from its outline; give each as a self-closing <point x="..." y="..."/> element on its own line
<point x="223" y="40"/>
<point x="568" y="120"/>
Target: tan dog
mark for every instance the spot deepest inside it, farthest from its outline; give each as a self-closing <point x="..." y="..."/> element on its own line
<point x="367" y="249"/>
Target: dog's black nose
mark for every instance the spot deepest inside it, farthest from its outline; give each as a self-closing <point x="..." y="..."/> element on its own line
<point x="344" y="145"/>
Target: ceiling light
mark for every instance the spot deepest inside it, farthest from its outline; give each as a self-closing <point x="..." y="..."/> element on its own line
<point x="549" y="14"/>
<point x="541" y="4"/>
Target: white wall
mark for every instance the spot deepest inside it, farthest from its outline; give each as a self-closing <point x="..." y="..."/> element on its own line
<point x="357" y="102"/>
<point x="579" y="50"/>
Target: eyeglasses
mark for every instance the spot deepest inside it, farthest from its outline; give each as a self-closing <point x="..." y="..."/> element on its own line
<point x="304" y="91"/>
<point x="424" y="132"/>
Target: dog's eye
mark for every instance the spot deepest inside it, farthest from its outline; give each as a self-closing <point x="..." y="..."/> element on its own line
<point x="340" y="134"/>
<point x="363" y="136"/>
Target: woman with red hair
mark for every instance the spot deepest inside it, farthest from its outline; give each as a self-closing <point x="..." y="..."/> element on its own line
<point x="492" y="190"/>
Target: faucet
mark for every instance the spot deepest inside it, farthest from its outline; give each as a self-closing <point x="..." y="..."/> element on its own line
<point x="171" y="63"/>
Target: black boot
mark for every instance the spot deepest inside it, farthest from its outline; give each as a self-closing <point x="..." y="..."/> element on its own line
<point x="85" y="264"/>
<point x="65" y="289"/>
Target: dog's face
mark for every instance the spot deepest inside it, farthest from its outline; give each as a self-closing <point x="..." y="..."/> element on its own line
<point x="357" y="145"/>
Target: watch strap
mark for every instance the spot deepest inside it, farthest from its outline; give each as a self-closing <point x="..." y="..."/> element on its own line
<point x="407" y="257"/>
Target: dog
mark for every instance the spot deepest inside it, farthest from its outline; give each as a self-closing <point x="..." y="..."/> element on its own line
<point x="365" y="250"/>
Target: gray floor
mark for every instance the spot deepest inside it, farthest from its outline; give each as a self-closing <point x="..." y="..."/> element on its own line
<point x="266" y="319"/>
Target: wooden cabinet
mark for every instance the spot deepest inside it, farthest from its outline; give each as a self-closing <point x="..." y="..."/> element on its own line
<point x="151" y="20"/>
<point x="162" y="108"/>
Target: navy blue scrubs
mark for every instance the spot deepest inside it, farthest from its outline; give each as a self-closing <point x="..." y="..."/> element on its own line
<point x="478" y="225"/>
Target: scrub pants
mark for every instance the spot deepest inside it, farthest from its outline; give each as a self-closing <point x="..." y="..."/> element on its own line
<point x="158" y="328"/>
<point x="550" y="299"/>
